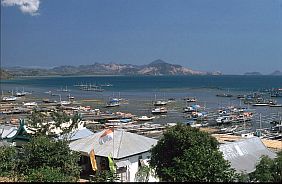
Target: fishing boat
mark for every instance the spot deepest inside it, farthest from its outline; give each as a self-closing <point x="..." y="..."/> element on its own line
<point x="119" y="122"/>
<point x="106" y="85"/>
<point x="64" y="89"/>
<point x="191" y="108"/>
<point x="47" y="100"/>
<point x="65" y="102"/>
<point x="190" y="99"/>
<point x="30" y="104"/>
<point x="260" y="104"/>
<point x="91" y="88"/>
<point x="113" y="102"/>
<point x="224" y="95"/>
<point x="22" y="93"/>
<point x="275" y="105"/>
<point x="62" y="102"/>
<point x="160" y="103"/>
<point x="9" y="98"/>
<point x="159" y="110"/>
<point x="145" y="118"/>
<point x="70" y="97"/>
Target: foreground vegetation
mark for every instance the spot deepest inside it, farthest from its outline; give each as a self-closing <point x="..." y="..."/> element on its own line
<point x="187" y="154"/>
<point x="182" y="154"/>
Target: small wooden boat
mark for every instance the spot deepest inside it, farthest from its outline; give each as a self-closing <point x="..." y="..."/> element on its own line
<point x="159" y="110"/>
<point x="145" y="118"/>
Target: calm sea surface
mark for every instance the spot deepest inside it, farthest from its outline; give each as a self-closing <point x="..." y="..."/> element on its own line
<point x="141" y="90"/>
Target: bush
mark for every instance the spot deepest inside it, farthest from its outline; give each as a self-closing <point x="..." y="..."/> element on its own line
<point x="47" y="174"/>
<point x="187" y="154"/>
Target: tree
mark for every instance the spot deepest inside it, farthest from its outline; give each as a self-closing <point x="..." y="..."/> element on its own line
<point x="49" y="155"/>
<point x="41" y="124"/>
<point x="185" y="153"/>
<point x="44" y="158"/>
<point x="104" y="176"/>
<point x="47" y="174"/>
<point x="8" y="161"/>
<point x="268" y="170"/>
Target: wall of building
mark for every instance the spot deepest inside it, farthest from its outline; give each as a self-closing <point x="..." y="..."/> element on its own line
<point x="133" y="168"/>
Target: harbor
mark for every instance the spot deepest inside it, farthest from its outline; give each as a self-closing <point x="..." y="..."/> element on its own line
<point x="145" y="114"/>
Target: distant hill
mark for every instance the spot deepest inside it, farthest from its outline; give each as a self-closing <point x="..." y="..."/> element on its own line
<point x="4" y="74"/>
<point x="277" y="72"/>
<point x="252" y="73"/>
<point x="157" y="67"/>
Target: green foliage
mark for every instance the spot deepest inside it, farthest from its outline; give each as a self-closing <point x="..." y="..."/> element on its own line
<point x="186" y="154"/>
<point x="46" y="152"/>
<point x="142" y="175"/>
<point x="40" y="124"/>
<point x="47" y="174"/>
<point x="104" y="176"/>
<point x="44" y="158"/>
<point x="278" y="167"/>
<point x="8" y="161"/>
<point x="243" y="177"/>
<point x="268" y="170"/>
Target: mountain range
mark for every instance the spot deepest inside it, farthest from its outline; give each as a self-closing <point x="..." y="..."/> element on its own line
<point x="157" y="67"/>
<point x="277" y="72"/>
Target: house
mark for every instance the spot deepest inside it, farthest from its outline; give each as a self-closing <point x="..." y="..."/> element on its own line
<point x="245" y="154"/>
<point x="80" y="133"/>
<point x="13" y="134"/>
<point x="127" y="149"/>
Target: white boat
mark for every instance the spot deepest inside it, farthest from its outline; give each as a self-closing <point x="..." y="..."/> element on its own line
<point x="70" y="97"/>
<point x="145" y="118"/>
<point x="190" y="99"/>
<point x="65" y="102"/>
<point x="64" y="90"/>
<point x="275" y="105"/>
<point x="9" y="98"/>
<point x="192" y="108"/>
<point x="159" y="110"/>
<point x="106" y="85"/>
<point x="160" y="103"/>
<point x="260" y="104"/>
<point x="224" y="95"/>
<point x="119" y="122"/>
<point x="22" y="93"/>
<point x="30" y="104"/>
<point x="113" y="102"/>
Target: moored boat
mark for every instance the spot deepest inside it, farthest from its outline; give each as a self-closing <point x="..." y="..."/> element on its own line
<point x="113" y="102"/>
<point x="145" y="118"/>
<point x="9" y="98"/>
<point x="159" y="110"/>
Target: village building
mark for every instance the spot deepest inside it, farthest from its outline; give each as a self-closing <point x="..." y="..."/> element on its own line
<point x="245" y="154"/>
<point x="128" y="150"/>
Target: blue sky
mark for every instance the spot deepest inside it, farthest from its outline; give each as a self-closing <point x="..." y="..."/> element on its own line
<point x="232" y="36"/>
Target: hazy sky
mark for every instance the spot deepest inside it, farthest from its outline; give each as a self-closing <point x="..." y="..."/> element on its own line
<point x="232" y="36"/>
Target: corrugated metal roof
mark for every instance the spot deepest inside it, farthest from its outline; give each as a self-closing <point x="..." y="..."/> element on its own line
<point x="123" y="144"/>
<point x="244" y="155"/>
<point x="7" y="131"/>
<point x="79" y="134"/>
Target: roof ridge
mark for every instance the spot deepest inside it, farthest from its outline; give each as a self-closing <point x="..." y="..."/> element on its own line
<point x="120" y="143"/>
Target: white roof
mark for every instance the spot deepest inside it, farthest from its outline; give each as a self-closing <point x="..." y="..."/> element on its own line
<point x="78" y="134"/>
<point x="124" y="144"/>
<point x="7" y="131"/>
<point x="244" y="155"/>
